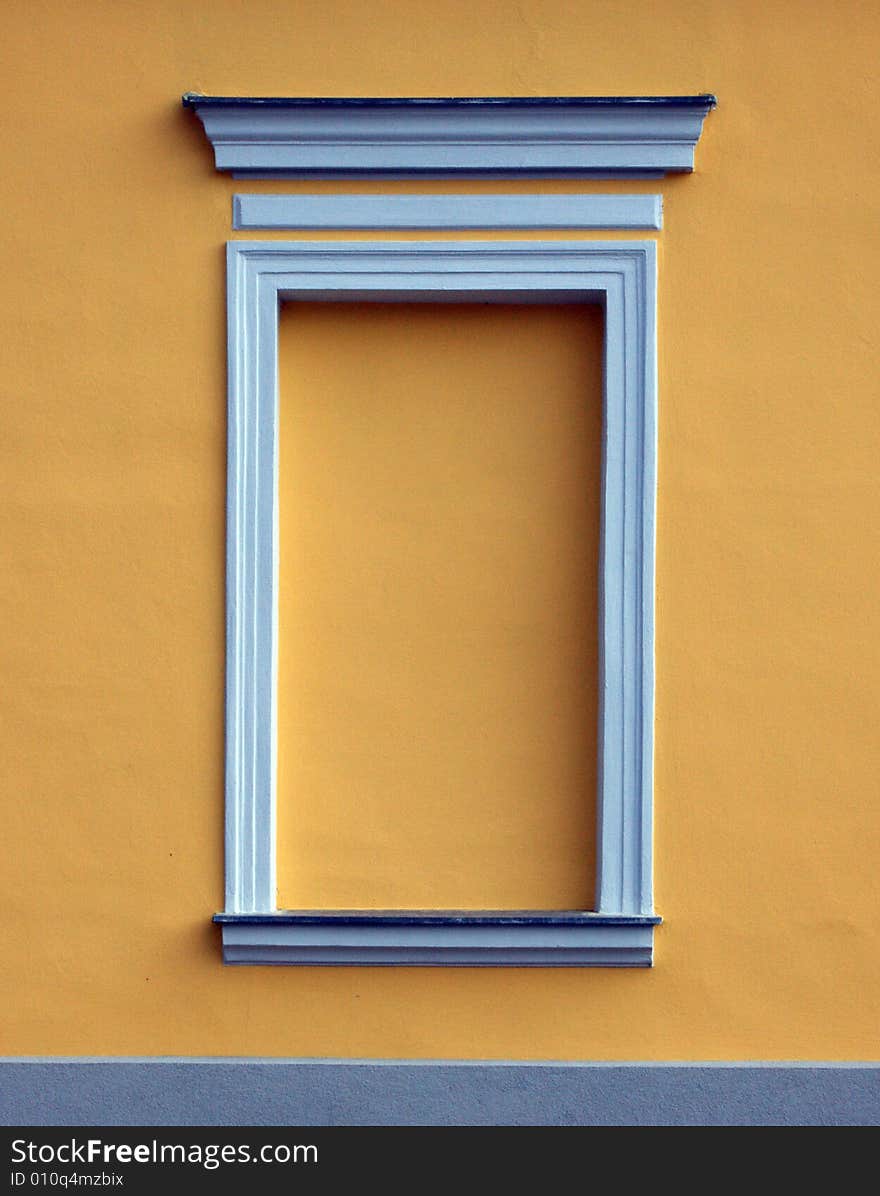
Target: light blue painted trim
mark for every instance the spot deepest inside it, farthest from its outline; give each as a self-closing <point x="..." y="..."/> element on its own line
<point x="585" y="940"/>
<point x="252" y="583"/>
<point x="339" y="1092"/>
<point x="620" y="274"/>
<point x="447" y="211"/>
<point x="478" y="139"/>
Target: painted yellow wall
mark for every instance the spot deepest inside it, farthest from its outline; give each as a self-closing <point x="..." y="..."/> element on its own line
<point x="112" y="444"/>
<point x="439" y="512"/>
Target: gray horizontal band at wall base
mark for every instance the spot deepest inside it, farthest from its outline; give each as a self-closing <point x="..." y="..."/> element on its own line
<point x="447" y="211"/>
<point x="513" y="137"/>
<point x="439" y="940"/>
<point x="336" y="1092"/>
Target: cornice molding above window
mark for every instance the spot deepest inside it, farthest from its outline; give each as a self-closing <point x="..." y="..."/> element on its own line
<point x="503" y="137"/>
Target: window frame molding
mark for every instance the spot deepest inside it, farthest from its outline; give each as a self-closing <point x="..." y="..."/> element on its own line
<point x="457" y="212"/>
<point x="621" y="275"/>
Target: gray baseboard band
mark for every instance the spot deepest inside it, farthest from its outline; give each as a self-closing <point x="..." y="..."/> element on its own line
<point x="340" y="1092"/>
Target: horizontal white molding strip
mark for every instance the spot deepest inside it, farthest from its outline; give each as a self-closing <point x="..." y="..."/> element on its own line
<point x="513" y="137"/>
<point x="439" y="940"/>
<point x="200" y="1091"/>
<point x="447" y="211"/>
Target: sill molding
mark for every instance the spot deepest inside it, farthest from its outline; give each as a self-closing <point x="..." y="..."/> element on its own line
<point x="429" y="939"/>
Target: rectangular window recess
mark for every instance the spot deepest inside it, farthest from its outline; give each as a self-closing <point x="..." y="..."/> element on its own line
<point x="439" y="484"/>
<point x="447" y="211"/>
<point x="621" y="276"/>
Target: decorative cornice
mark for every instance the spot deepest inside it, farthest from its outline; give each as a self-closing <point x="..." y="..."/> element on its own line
<point x="502" y="137"/>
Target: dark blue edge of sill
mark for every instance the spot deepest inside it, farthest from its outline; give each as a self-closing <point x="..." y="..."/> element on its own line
<point x="191" y="99"/>
<point x="429" y="918"/>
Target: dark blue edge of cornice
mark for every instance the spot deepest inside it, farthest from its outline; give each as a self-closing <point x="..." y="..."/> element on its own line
<point x="439" y="918"/>
<point x="192" y="99"/>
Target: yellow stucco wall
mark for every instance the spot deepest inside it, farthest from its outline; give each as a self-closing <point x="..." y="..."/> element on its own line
<point x="438" y="684"/>
<point x="112" y="447"/>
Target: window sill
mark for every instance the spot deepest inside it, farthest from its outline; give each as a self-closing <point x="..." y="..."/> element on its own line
<point x="439" y="939"/>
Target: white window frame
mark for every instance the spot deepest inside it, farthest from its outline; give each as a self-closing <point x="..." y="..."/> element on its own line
<point x="621" y="276"/>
